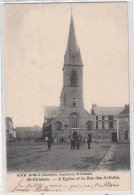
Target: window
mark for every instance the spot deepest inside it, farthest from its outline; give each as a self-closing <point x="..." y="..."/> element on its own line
<point x="96" y="125"/>
<point x="123" y="135"/>
<point x="126" y="135"/>
<point x="89" y="126"/>
<point x="99" y="125"/>
<point x="11" y="136"/>
<point x="74" y="78"/>
<point x="111" y="124"/>
<point x="99" y="117"/>
<point x="106" y="125"/>
<point x="58" y="126"/>
<point x="74" y="120"/>
<point x="115" y="125"/>
<point x="105" y="117"/>
<point x="110" y="117"/>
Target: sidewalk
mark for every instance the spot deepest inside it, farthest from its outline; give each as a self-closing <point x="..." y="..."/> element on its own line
<point x="117" y="158"/>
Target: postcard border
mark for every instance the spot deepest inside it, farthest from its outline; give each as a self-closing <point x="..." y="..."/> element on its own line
<point x="131" y="84"/>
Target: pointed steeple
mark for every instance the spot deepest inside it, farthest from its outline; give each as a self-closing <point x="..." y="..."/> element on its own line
<point x="72" y="55"/>
<point x="72" y="43"/>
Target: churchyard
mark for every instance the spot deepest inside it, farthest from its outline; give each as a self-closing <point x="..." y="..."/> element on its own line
<point x="30" y="157"/>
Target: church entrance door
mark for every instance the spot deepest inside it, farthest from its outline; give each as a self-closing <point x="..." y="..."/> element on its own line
<point x="75" y="135"/>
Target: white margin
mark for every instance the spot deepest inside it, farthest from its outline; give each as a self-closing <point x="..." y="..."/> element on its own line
<point x="131" y="85"/>
<point x="1" y="151"/>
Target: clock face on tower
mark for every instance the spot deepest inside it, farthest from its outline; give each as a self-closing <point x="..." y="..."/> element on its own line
<point x="74" y="78"/>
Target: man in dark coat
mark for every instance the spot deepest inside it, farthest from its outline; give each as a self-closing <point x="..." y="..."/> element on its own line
<point x="49" y="143"/>
<point x="72" y="143"/>
<point x="89" y="141"/>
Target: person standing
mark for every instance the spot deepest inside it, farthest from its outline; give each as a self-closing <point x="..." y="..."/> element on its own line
<point x="72" y="143"/>
<point x="49" y="143"/>
<point x="89" y="141"/>
<point x="78" y="143"/>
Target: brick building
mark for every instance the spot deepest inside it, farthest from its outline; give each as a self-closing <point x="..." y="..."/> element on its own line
<point x="71" y="117"/>
<point x="105" y="127"/>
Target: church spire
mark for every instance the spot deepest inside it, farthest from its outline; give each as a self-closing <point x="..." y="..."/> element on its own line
<point x="72" y="55"/>
<point x="72" y="43"/>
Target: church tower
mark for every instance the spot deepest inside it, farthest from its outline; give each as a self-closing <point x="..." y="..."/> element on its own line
<point x="72" y="91"/>
<point x="72" y="118"/>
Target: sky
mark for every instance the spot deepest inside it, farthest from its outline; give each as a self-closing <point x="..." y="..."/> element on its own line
<point x="35" y="40"/>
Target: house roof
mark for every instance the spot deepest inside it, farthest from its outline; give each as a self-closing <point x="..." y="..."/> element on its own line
<point x="102" y="111"/>
<point x="51" y="111"/>
<point x="125" y="111"/>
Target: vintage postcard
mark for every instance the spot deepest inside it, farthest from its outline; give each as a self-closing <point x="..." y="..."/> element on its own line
<point x="66" y="84"/>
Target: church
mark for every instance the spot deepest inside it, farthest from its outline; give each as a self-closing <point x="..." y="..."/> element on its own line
<point x="70" y="118"/>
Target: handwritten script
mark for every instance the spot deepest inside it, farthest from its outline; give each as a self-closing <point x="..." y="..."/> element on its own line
<point x="41" y="187"/>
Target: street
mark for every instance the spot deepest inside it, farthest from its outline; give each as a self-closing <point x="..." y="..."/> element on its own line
<point x="29" y="157"/>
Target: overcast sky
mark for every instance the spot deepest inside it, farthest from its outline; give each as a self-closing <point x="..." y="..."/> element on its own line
<point x="35" y="40"/>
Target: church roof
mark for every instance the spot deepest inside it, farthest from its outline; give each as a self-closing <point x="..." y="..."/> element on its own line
<point x="103" y="111"/>
<point x="51" y="111"/>
<point x="67" y="111"/>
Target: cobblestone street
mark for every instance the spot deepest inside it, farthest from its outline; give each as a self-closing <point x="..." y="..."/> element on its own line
<point x="35" y="157"/>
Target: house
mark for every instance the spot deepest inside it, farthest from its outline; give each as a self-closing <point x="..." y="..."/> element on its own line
<point x="28" y="133"/>
<point x="123" y="125"/>
<point x="105" y="122"/>
<point x="10" y="131"/>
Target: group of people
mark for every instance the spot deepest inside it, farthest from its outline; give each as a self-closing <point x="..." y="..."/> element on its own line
<point x="76" y="142"/>
<point x="61" y="140"/>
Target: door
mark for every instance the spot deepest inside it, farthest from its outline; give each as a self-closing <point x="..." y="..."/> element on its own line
<point x="114" y="137"/>
<point x="75" y="135"/>
<point x="126" y="135"/>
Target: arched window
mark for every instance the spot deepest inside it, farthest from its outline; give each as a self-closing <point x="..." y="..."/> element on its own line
<point x="58" y="126"/>
<point x="74" y="120"/>
<point x="89" y="125"/>
<point x="74" y="78"/>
